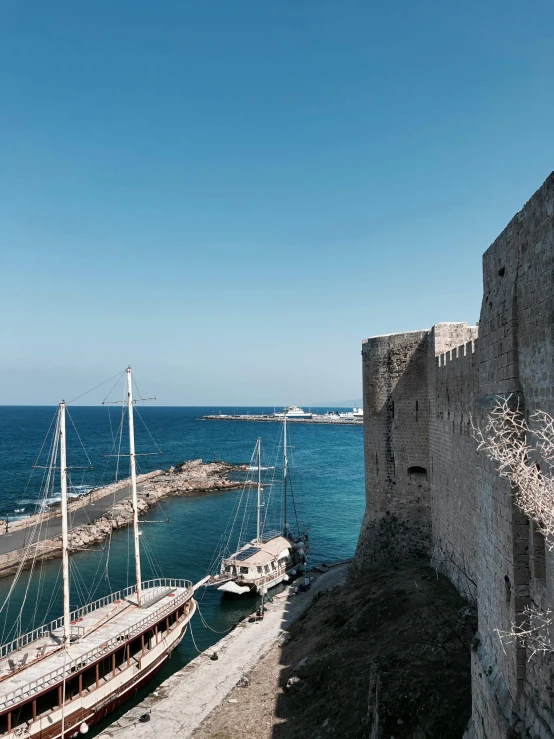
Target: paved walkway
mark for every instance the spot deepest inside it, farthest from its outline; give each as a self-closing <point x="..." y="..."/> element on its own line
<point x="53" y="527"/>
<point x="186" y="698"/>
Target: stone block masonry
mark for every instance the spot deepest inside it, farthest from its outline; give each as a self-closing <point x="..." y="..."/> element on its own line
<point x="428" y="491"/>
<point x="397" y="522"/>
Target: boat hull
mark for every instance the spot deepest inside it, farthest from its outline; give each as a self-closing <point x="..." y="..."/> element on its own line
<point x="254" y="588"/>
<point x="273" y="583"/>
<point x="295" y="416"/>
<point x="104" y="710"/>
<point x="99" y="703"/>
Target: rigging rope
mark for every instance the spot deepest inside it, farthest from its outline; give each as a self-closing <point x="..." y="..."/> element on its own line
<point x="80" y="440"/>
<point x="193" y="641"/>
<point x="118" y="375"/>
<point x="206" y="624"/>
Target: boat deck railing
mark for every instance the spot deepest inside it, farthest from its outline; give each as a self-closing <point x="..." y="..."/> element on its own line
<point x="48" y="628"/>
<point x="72" y="666"/>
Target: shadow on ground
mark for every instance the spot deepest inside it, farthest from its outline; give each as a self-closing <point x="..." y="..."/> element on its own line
<point x="387" y="656"/>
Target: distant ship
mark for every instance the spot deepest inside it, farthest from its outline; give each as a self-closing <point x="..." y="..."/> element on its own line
<point x="293" y="411"/>
<point x="354" y="414"/>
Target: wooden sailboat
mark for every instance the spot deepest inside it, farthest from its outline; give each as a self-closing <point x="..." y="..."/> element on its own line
<point x="65" y="675"/>
<point x="268" y="559"/>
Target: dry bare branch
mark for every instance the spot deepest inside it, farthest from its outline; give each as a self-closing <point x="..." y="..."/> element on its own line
<point x="535" y="632"/>
<point x="523" y="453"/>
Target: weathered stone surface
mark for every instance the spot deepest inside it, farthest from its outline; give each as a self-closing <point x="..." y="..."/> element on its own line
<point x="429" y="492"/>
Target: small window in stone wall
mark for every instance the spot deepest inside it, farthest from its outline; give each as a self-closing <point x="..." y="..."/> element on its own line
<point x="416" y="470"/>
<point x="416" y="411"/>
<point x="507" y="589"/>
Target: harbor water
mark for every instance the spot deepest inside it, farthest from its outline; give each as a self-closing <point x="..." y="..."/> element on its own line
<point x="179" y="536"/>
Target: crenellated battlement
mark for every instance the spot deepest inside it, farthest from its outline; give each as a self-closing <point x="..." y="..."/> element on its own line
<point x="464" y="351"/>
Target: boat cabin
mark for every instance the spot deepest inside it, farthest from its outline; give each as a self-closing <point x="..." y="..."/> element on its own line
<point x="259" y="560"/>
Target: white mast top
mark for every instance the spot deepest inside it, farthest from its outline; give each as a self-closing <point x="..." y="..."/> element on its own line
<point x="258" y="520"/>
<point x="134" y="484"/>
<point x="65" y="542"/>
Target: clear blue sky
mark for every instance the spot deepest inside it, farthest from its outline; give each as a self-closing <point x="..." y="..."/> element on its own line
<point x="231" y="194"/>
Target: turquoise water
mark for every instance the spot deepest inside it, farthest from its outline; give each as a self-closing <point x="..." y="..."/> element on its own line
<point x="327" y="471"/>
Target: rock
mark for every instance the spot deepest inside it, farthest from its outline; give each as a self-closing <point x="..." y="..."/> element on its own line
<point x="293" y="683"/>
<point x="244" y="682"/>
<point x="300" y="665"/>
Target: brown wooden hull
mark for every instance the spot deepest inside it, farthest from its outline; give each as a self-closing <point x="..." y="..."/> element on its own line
<point x="104" y="711"/>
<point x="94" y="710"/>
<point x="103" y="708"/>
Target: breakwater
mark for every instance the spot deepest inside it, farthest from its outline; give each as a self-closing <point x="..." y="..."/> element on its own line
<point x="327" y="418"/>
<point x="95" y="515"/>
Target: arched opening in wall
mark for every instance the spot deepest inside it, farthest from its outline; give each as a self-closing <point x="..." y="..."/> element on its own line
<point x="416" y="470"/>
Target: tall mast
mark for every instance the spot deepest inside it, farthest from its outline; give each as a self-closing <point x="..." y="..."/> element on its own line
<point x="258" y="527"/>
<point x="285" y="466"/>
<point x="133" y="482"/>
<point x="65" y="543"/>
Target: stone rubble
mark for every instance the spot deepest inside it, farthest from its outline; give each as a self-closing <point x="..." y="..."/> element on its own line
<point x="187" y="478"/>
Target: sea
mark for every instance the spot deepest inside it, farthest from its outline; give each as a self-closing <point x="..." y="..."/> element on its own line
<point x="181" y="535"/>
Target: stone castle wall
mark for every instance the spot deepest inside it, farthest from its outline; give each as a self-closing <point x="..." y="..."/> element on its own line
<point x="430" y="493"/>
<point x="396" y="446"/>
<point x="453" y="460"/>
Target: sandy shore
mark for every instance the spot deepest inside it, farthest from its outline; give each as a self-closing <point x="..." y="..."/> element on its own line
<point x="180" y="705"/>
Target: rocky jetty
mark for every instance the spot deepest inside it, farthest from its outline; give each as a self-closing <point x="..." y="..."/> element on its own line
<point x="188" y="478"/>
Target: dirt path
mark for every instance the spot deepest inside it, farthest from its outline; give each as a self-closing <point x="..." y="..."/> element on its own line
<point x="387" y="657"/>
<point x="190" y="695"/>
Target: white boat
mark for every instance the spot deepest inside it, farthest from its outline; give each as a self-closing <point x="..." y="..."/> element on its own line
<point x="270" y="558"/>
<point x="65" y="675"/>
<point x="293" y="411"/>
<point x="354" y="414"/>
